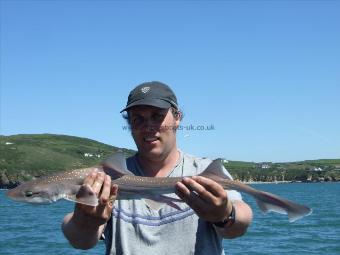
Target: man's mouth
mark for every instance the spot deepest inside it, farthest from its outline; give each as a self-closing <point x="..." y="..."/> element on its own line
<point x="150" y="139"/>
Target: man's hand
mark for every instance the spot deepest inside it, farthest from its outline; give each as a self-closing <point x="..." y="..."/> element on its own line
<point x="95" y="216"/>
<point x="206" y="197"/>
<point x="84" y="226"/>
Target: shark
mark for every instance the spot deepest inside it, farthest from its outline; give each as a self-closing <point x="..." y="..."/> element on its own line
<point x="70" y="185"/>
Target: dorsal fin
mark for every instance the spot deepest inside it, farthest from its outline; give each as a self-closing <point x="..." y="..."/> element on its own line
<point x="116" y="165"/>
<point x="215" y="170"/>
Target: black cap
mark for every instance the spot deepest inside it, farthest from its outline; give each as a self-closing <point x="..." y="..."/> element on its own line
<point x="152" y="93"/>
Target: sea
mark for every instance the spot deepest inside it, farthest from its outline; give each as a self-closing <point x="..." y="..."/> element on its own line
<point x="28" y="229"/>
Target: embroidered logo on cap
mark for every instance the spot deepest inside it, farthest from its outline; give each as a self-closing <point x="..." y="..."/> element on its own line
<point x="145" y="89"/>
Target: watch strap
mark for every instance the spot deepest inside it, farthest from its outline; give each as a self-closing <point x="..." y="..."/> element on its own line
<point x="229" y="221"/>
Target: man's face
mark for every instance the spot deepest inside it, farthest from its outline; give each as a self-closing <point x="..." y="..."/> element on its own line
<point x="154" y="131"/>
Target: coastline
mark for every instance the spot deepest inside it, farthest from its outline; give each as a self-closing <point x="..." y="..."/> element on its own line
<point x="248" y="183"/>
<point x="276" y="182"/>
<point x="283" y="182"/>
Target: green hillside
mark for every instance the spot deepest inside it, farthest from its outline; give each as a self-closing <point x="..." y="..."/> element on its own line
<point x="305" y="171"/>
<point x="23" y="157"/>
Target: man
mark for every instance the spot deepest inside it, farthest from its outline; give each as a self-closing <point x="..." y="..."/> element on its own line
<point x="197" y="226"/>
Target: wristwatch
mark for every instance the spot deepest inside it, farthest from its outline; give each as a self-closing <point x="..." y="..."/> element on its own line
<point x="229" y="221"/>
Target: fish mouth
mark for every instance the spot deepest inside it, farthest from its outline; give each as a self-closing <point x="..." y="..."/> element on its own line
<point x="14" y="194"/>
<point x="32" y="200"/>
<point x="18" y="195"/>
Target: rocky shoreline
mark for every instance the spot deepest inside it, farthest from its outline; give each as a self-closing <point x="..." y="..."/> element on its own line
<point x="283" y="182"/>
<point x="9" y="185"/>
<point x="5" y="183"/>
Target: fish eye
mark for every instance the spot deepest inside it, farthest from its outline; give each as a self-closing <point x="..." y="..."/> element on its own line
<point x="28" y="193"/>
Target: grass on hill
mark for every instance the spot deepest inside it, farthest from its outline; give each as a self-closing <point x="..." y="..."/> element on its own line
<point x="24" y="156"/>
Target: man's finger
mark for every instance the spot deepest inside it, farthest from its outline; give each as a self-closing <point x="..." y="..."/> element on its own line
<point x="106" y="189"/>
<point x="210" y="185"/>
<point x="98" y="183"/>
<point x="199" y="189"/>
<point x="182" y="189"/>
<point x="89" y="179"/>
<point x="114" y="191"/>
<point x="190" y="197"/>
<point x="113" y="195"/>
<point x="183" y="192"/>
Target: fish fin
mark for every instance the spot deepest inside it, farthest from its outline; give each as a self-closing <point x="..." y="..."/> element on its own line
<point x="273" y="203"/>
<point x="172" y="199"/>
<point x="70" y="197"/>
<point x="85" y="195"/>
<point x="215" y="170"/>
<point x="175" y="206"/>
<point x="116" y="164"/>
<point x="296" y="216"/>
<point x="266" y="207"/>
<point x="156" y="203"/>
<point x="152" y="204"/>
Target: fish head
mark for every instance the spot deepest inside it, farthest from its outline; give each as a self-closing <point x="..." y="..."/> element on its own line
<point x="31" y="193"/>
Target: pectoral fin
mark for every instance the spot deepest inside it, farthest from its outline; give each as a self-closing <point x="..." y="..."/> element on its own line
<point x="152" y="204"/>
<point x="156" y="203"/>
<point x="85" y="195"/>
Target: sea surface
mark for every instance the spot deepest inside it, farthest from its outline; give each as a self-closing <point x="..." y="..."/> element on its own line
<point x="27" y="229"/>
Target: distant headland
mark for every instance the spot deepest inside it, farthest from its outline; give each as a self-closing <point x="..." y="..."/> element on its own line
<point x="27" y="156"/>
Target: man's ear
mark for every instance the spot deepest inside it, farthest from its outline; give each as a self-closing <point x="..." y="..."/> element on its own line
<point x="178" y="115"/>
<point x="177" y="121"/>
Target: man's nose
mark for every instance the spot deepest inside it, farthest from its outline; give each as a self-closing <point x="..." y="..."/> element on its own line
<point x="149" y="125"/>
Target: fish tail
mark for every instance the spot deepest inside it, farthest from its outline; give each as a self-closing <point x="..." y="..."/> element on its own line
<point x="271" y="203"/>
<point x="267" y="202"/>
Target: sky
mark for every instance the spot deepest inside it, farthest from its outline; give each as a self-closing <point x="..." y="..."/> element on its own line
<point x="261" y="77"/>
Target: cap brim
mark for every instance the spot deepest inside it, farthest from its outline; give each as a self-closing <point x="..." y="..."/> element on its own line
<point x="159" y="103"/>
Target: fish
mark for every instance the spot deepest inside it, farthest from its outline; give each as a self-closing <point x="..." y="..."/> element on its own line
<point x="153" y="190"/>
